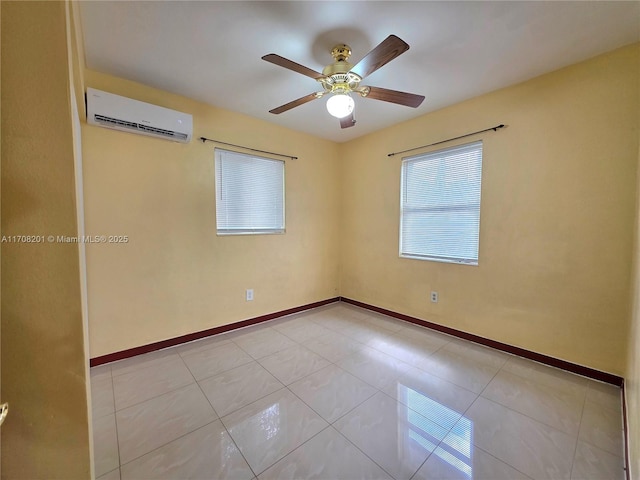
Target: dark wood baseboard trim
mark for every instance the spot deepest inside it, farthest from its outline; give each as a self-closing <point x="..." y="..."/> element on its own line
<point x="625" y="433"/>
<point x="171" y="342"/>
<point x="521" y="352"/>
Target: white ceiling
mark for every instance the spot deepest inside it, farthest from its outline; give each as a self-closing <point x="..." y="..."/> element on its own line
<point x="211" y="50"/>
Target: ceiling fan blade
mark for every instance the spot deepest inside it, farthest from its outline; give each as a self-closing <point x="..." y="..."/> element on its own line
<point x="347" y="121"/>
<point x="295" y="103"/>
<point x="393" y="96"/>
<point x="390" y="48"/>
<point x="296" y="67"/>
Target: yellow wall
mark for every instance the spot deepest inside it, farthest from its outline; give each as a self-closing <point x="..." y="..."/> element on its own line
<point x="556" y="217"/>
<point x="43" y="364"/>
<point x="76" y="51"/>
<point x="175" y="276"/>
<point x="632" y="376"/>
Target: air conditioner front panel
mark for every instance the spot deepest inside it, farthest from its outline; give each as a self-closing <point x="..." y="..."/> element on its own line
<point x="122" y="113"/>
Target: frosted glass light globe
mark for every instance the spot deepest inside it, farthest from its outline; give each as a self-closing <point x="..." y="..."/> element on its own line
<point x="340" y="105"/>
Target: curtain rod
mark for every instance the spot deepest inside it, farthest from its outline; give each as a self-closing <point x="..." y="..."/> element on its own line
<point x="204" y="139"/>
<point x="495" y="129"/>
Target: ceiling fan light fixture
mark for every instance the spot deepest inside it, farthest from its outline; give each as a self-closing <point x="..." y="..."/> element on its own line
<point x="340" y="105"/>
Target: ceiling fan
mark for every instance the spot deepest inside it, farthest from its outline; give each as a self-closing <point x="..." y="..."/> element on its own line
<point x="341" y="79"/>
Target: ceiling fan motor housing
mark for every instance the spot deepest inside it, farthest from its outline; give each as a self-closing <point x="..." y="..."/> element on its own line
<point x="338" y="77"/>
<point x="341" y="52"/>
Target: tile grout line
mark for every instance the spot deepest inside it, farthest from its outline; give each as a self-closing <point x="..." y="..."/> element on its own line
<point x="531" y="418"/>
<point x="186" y="433"/>
<point x="518" y="413"/>
<point x="329" y="424"/>
<point x="165" y="444"/>
<point x="502" y="461"/>
<point x="257" y="400"/>
<point x="218" y="418"/>
<point x="308" y="439"/>
<point x="115" y="421"/>
<point x="238" y="448"/>
<point x="289" y="453"/>
<point x="363" y="452"/>
<point x="159" y="360"/>
<point x="527" y="415"/>
<point x="260" y="358"/>
<point x="254" y="401"/>
<point x="551" y="368"/>
<point x="179" y="354"/>
<point x="448" y="430"/>
<point x="284" y="387"/>
<point x="171" y="390"/>
<point x="318" y="413"/>
<point x="252" y="360"/>
<point x="575" y="449"/>
<point x="464" y="416"/>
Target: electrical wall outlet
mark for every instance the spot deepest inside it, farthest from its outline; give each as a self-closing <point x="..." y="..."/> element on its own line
<point x="434" y="297"/>
<point x="249" y="294"/>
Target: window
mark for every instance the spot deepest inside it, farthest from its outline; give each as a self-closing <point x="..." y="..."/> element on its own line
<point x="249" y="194"/>
<point x="440" y="205"/>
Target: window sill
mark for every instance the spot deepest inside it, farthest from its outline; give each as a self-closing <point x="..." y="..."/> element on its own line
<point x="441" y="260"/>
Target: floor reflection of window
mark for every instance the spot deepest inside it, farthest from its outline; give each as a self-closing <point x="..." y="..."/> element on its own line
<point x="270" y="421"/>
<point x="228" y="453"/>
<point x="456" y="450"/>
<point x="419" y="431"/>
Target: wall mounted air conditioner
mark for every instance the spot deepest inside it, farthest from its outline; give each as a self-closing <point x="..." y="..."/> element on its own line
<point x="122" y="113"/>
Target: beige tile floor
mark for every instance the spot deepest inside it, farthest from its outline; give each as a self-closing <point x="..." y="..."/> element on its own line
<point x="343" y="393"/>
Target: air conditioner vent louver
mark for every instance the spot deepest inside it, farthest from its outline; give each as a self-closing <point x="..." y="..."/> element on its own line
<point x="144" y="128"/>
<point x="164" y="133"/>
<point x="121" y="113"/>
<point x="115" y="121"/>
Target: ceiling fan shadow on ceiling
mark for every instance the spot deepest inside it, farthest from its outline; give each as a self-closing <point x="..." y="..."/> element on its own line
<point x="341" y="79"/>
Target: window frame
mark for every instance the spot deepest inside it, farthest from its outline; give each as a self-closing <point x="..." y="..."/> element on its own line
<point x="435" y="154"/>
<point x="218" y="154"/>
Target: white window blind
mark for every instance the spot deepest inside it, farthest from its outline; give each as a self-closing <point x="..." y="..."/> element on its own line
<point x="440" y="205"/>
<point x="249" y="194"/>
